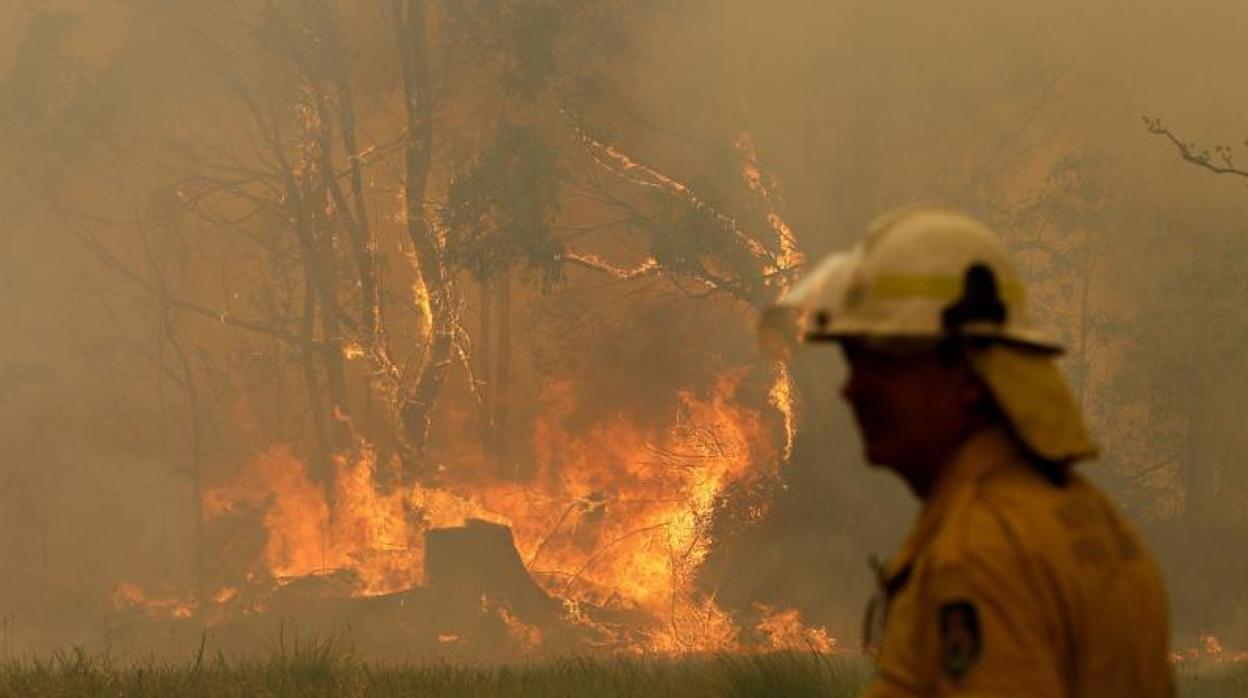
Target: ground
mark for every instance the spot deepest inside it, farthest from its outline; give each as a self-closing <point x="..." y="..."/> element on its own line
<point x="323" y="670"/>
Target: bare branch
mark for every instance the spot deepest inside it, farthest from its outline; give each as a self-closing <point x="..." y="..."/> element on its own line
<point x="101" y="251"/>
<point x="631" y="169"/>
<point x="1219" y="161"/>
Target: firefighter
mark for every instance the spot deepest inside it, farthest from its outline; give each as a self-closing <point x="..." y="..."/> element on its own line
<point x="1019" y="578"/>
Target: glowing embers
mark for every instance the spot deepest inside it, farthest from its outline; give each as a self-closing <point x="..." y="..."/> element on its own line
<point x="784" y="630"/>
<point x="127" y="596"/>
<point x="1210" y="652"/>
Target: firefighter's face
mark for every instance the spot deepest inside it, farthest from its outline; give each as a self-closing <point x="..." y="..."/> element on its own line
<point x="913" y="410"/>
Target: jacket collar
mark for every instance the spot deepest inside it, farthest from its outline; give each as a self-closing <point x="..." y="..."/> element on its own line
<point x="979" y="455"/>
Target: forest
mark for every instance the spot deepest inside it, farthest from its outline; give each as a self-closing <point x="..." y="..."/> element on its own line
<point x="313" y="310"/>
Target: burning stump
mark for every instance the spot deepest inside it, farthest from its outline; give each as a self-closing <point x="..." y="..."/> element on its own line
<point x="479" y="603"/>
<point x="483" y="596"/>
<point x="479" y="561"/>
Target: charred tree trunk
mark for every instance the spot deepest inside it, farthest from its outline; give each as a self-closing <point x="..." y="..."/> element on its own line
<point x="484" y="361"/>
<point x="1200" y="480"/>
<point x="416" y="409"/>
<point x="502" y="371"/>
<point x="331" y="334"/>
<point x="362" y="246"/>
<point x="171" y="246"/>
<point x="327" y="207"/>
<point x="322" y="462"/>
<point x="312" y="352"/>
<point x="1085" y="319"/>
<point x="360" y="234"/>
<point x="195" y="469"/>
<point x="196" y="465"/>
<point x="352" y="218"/>
<point x="320" y="296"/>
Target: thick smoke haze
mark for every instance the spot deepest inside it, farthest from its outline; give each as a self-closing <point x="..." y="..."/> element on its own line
<point x="605" y="188"/>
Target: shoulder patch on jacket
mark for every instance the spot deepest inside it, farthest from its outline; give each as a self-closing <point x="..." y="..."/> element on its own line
<point x="960" y="641"/>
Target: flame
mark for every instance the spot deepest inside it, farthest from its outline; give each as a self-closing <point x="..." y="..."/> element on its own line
<point x="615" y="514"/>
<point x="225" y="595"/>
<point x="130" y="596"/>
<point x="789" y="257"/>
<point x="295" y="511"/>
<point x="697" y="625"/>
<point x="1214" y="652"/>
<point x="781" y="397"/>
<point x="1213" y="647"/>
<point x="527" y="637"/>
<point x="1210" y="651"/>
<point x="369" y="533"/>
<point x="622" y="514"/>
<point x="784" y="630"/>
<point x="592" y="261"/>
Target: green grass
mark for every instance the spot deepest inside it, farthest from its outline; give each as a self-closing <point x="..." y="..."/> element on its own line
<point x="321" y="669"/>
<point x="313" y="671"/>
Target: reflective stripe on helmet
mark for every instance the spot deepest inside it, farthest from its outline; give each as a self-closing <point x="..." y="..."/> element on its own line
<point x="938" y="287"/>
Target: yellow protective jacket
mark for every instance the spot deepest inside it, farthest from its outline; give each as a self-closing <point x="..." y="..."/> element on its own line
<point x="1013" y="585"/>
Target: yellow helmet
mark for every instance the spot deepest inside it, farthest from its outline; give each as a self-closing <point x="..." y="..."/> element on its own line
<point x="918" y="274"/>
<point x="924" y="275"/>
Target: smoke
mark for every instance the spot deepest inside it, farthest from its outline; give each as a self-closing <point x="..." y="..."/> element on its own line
<point x="1029" y="117"/>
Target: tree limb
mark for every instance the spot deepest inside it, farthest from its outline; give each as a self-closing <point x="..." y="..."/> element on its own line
<point x="1220" y="161"/>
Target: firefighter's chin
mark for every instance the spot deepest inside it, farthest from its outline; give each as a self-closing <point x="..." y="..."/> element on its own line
<point x="879" y="449"/>
<point x="878" y="440"/>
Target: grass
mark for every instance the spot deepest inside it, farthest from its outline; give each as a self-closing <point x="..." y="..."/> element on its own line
<point x="1214" y="681"/>
<point x="313" y="671"/>
<point x="322" y="669"/>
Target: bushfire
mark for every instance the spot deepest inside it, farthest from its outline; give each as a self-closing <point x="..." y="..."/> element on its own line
<point x="612" y="524"/>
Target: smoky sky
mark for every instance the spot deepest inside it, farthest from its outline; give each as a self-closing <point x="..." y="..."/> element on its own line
<point x="852" y="107"/>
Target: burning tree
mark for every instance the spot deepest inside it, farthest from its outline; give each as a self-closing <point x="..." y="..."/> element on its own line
<point x="328" y="183"/>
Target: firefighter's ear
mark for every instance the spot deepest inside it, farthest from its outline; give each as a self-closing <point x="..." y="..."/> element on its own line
<point x="972" y="393"/>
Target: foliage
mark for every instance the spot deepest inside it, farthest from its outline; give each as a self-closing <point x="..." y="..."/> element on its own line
<point x="501" y="211"/>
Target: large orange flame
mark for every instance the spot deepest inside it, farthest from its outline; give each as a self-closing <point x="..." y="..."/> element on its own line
<point x="373" y="534"/>
<point x="619" y="513"/>
<point x="615" y="514"/>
